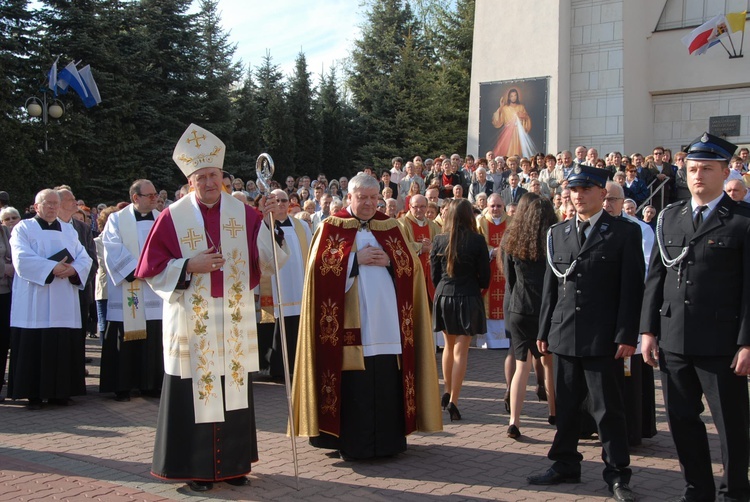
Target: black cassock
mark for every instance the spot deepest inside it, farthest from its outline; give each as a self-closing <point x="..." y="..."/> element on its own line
<point x="135" y="364"/>
<point x="213" y="451"/>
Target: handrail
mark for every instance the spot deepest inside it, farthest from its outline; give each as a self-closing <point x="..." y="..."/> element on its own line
<point x="658" y="189"/>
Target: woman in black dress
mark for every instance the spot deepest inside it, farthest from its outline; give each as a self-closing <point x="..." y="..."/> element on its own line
<point x="461" y="269"/>
<point x="524" y="249"/>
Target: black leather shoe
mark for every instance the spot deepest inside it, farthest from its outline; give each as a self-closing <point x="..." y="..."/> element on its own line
<point x="200" y="486"/>
<point x="445" y="400"/>
<point x="122" y="397"/>
<point x="34" y="404"/>
<point x="239" y="481"/>
<point x="622" y="492"/>
<point x="513" y="432"/>
<point x="552" y="477"/>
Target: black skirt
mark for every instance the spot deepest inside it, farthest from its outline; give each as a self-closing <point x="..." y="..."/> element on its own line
<point x="459" y="315"/>
<point x="523" y="331"/>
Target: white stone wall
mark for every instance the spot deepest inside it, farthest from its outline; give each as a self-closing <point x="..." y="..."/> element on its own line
<point x="680" y="118"/>
<point x="596" y="75"/>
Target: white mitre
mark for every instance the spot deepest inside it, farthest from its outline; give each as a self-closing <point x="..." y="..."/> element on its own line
<point x="197" y="149"/>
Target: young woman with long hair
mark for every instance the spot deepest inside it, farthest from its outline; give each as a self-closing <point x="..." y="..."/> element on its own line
<point x="524" y="251"/>
<point x="460" y="267"/>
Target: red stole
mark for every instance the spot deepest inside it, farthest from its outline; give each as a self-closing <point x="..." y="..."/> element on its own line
<point x="421" y="233"/>
<point x="330" y="273"/>
<point x="496" y="292"/>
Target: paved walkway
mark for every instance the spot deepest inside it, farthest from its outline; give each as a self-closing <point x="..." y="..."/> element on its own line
<point x="99" y="449"/>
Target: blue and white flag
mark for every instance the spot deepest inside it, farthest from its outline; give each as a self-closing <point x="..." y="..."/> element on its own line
<point x="69" y="77"/>
<point x="93" y="98"/>
<point x="52" y="76"/>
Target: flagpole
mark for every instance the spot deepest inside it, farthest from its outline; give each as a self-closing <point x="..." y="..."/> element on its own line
<point x="725" y="48"/>
<point x="731" y="42"/>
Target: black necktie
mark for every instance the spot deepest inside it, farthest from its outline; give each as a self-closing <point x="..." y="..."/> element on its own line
<point x="513" y="196"/>
<point x="698" y="218"/>
<point x="582" y="226"/>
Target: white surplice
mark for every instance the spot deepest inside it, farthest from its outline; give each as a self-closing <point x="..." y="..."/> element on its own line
<point x="37" y="305"/>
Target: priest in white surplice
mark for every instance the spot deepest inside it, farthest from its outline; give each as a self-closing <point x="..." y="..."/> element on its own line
<point x="203" y="257"/>
<point x="46" y="343"/>
<point x="297" y="236"/>
<point x="132" y="356"/>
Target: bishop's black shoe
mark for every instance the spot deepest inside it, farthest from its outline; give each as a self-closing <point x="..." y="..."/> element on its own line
<point x="200" y="486"/>
<point x="238" y="481"/>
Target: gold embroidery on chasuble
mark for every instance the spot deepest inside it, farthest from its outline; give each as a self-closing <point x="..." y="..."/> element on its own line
<point x="333" y="255"/>
<point x="329" y="401"/>
<point x="407" y="324"/>
<point x="329" y="325"/>
<point x="410" y="395"/>
<point x="400" y="256"/>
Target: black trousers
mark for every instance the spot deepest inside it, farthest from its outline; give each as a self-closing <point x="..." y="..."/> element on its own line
<point x="4" y="335"/>
<point x="602" y="378"/>
<point x="684" y="380"/>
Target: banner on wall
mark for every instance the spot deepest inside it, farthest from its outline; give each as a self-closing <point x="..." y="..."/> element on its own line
<point x="513" y="117"/>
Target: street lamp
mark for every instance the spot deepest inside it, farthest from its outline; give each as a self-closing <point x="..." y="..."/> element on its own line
<point x="36" y="107"/>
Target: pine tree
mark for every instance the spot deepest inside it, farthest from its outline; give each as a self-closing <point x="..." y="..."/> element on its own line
<point x="246" y="138"/>
<point x="274" y="121"/>
<point x="387" y="71"/>
<point x="333" y="124"/>
<point x="307" y="154"/>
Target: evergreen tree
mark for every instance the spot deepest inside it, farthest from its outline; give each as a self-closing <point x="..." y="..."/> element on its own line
<point x="274" y="120"/>
<point x="332" y="122"/>
<point x="21" y="136"/>
<point x="246" y="138"/>
<point x="307" y="154"/>
<point x="386" y="74"/>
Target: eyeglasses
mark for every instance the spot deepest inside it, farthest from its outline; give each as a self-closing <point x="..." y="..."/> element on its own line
<point x="11" y="218"/>
<point x="149" y="195"/>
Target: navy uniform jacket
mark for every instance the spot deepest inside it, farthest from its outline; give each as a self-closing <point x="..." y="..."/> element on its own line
<point x="598" y="307"/>
<point x="709" y="313"/>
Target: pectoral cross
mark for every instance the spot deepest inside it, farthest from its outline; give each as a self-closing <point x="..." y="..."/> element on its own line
<point x="195" y="139"/>
<point x="232" y="227"/>
<point x="191" y="239"/>
<point x="133" y="298"/>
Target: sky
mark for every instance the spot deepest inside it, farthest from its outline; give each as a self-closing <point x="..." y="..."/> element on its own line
<point x="324" y="30"/>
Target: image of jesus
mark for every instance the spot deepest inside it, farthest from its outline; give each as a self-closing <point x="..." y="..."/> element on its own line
<point x="513" y="124"/>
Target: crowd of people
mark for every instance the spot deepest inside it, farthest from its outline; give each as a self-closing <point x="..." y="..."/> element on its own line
<point x="548" y="256"/>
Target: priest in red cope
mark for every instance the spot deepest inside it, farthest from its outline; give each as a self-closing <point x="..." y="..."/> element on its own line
<point x="203" y="257"/>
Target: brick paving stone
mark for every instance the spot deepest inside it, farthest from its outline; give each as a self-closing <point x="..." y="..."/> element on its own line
<point x="99" y="449"/>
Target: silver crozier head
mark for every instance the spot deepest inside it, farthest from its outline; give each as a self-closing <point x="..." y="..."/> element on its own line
<point x="264" y="170"/>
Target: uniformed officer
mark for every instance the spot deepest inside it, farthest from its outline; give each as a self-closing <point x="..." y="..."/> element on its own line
<point x="589" y="321"/>
<point x="696" y="306"/>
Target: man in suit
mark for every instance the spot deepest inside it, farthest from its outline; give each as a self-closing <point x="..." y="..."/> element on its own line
<point x="695" y="306"/>
<point x="513" y="193"/>
<point x="481" y="185"/>
<point x="589" y="321"/>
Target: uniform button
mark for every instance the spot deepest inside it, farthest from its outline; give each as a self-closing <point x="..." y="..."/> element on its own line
<point x="692" y="243"/>
<point x="721" y="243"/>
<point x="691" y="263"/>
<point x="689" y="283"/>
<point x="579" y="275"/>
<point x="669" y="241"/>
<point x="578" y="291"/>
<point x="604" y="257"/>
<point x="687" y="302"/>
<point x="578" y="309"/>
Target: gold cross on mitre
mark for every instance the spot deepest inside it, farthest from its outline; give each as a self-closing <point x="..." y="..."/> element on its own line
<point x="195" y="138"/>
<point x="192" y="239"/>
<point x="233" y="227"/>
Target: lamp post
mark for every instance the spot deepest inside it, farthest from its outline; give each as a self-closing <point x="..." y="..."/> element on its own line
<point x="36" y="107"/>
